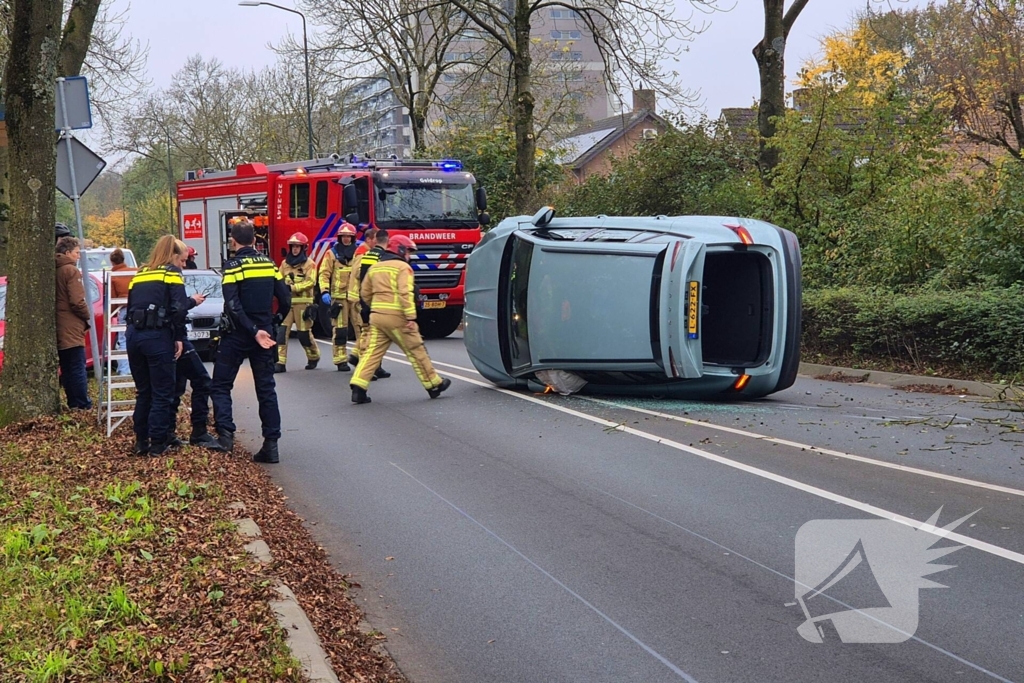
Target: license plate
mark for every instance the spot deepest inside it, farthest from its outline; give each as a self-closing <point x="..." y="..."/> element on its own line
<point x="198" y="334"/>
<point x="433" y="304"/>
<point x="693" y="309"/>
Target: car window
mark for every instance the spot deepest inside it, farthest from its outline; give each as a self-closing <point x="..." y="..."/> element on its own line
<point x="519" y="282"/>
<point x="92" y="291"/>
<point x="3" y="302"/>
<point x="207" y="285"/>
<point x="97" y="261"/>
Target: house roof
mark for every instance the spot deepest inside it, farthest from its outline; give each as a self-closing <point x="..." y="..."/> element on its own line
<point x="741" y="122"/>
<point x="587" y="141"/>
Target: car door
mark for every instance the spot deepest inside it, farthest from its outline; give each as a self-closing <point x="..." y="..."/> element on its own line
<point x="579" y="305"/>
<point x="680" y="315"/>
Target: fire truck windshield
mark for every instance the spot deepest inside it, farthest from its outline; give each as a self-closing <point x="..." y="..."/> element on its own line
<point x="425" y="205"/>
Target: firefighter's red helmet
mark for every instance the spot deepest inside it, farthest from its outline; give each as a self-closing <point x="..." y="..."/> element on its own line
<point x="401" y="245"/>
<point x="298" y="238"/>
<point x="191" y="252"/>
<point x="346" y="228"/>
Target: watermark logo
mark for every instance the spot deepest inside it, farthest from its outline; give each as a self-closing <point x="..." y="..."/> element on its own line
<point x="858" y="579"/>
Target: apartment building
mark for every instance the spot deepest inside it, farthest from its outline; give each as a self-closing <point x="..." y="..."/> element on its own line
<point x="569" y="87"/>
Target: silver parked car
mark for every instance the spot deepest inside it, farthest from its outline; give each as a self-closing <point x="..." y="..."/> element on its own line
<point x="686" y="307"/>
<point x="204" y="319"/>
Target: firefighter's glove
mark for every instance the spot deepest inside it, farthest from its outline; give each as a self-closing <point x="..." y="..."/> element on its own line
<point x="335" y="309"/>
<point x="309" y="314"/>
<point x="326" y="298"/>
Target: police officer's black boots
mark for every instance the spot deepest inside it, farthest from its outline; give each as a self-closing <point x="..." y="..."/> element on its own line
<point x="158" y="449"/>
<point x="311" y="365"/>
<point x="141" y="447"/>
<point x="175" y="442"/>
<point x="279" y="367"/>
<point x="226" y="440"/>
<point x="268" y="453"/>
<point x="359" y="395"/>
<point x="203" y="439"/>
<point x="436" y="391"/>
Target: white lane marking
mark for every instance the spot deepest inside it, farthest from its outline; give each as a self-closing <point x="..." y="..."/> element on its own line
<point x="813" y="449"/>
<point x="647" y="648"/>
<point x="983" y="546"/>
<point x="793" y="444"/>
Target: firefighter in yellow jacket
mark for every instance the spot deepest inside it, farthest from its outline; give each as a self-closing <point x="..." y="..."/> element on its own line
<point x="368" y="253"/>
<point x="335" y="270"/>
<point x="299" y="273"/>
<point x="387" y="290"/>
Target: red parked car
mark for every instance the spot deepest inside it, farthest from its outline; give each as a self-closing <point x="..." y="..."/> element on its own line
<point x="95" y="287"/>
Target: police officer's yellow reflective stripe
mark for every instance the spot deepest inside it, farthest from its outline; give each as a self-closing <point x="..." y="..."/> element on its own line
<point x="233" y="275"/>
<point x="167" y="277"/>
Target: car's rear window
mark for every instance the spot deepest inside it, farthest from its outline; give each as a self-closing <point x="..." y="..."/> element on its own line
<point x="207" y="285"/>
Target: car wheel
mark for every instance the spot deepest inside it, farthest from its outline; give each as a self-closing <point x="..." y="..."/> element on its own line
<point x="438" y="324"/>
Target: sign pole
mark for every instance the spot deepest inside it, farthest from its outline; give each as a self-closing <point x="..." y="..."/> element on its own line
<point x="97" y="366"/>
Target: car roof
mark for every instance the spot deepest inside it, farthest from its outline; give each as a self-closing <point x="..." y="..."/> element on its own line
<point x="200" y="271"/>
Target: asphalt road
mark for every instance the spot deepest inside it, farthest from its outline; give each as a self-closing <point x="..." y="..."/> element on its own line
<point x="503" y="536"/>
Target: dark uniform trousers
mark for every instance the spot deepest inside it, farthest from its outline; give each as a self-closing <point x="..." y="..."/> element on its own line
<point x="190" y="368"/>
<point x="151" y="356"/>
<point x="234" y="348"/>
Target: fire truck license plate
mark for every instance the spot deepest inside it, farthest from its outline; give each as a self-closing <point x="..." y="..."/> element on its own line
<point x="433" y="304"/>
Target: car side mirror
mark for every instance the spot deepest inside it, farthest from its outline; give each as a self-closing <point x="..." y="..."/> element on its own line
<point x="352" y="218"/>
<point x="485" y="218"/>
<point x="481" y="199"/>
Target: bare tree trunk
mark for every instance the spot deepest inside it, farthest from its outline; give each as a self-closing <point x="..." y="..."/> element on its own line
<point x="524" y="182"/>
<point x="770" y="56"/>
<point x="5" y="208"/>
<point x="29" y="381"/>
<point x="74" y="42"/>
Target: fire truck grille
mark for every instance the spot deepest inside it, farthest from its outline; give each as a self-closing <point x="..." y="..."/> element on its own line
<point x="438" y="279"/>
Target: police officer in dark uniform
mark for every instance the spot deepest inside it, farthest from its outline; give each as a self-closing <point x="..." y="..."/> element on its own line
<point x="190" y="370"/>
<point x="251" y="283"/>
<point x="155" y="317"/>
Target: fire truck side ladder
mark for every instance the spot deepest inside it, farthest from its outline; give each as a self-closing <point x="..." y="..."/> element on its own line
<point x="113" y="402"/>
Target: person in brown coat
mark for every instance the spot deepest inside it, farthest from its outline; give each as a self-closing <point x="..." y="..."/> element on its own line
<point x="73" y="318"/>
<point x="119" y="290"/>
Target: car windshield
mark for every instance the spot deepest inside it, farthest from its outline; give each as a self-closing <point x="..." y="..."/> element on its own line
<point x="3" y="302"/>
<point x="207" y="285"/>
<point x="100" y="260"/>
<point x="407" y="205"/>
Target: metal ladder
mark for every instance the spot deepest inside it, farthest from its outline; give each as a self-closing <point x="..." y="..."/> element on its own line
<point x="115" y="410"/>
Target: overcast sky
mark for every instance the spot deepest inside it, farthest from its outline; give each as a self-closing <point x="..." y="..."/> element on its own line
<point x="718" y="63"/>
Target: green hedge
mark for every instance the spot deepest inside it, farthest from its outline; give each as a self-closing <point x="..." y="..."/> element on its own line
<point x="974" y="330"/>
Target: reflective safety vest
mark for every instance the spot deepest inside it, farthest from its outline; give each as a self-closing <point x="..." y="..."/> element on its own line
<point x="300" y="279"/>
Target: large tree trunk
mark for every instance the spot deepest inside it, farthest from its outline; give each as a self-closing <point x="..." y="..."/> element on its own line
<point x="74" y="46"/>
<point x="524" y="182"/>
<point x="28" y="384"/>
<point x="5" y="207"/>
<point x="770" y="56"/>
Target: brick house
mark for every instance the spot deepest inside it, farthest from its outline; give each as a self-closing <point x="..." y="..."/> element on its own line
<point x="590" y="149"/>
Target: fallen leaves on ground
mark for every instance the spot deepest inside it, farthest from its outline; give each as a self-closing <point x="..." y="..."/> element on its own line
<point x="115" y="567"/>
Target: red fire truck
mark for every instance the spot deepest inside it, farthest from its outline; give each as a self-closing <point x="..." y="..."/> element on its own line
<point x="433" y="202"/>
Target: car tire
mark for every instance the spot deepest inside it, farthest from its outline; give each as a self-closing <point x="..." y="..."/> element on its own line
<point x="438" y="324"/>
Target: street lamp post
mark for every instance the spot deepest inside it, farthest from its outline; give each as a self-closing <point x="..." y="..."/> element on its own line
<point x="305" y="55"/>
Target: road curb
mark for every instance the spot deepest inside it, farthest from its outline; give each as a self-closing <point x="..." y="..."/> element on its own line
<point x="897" y="380"/>
<point x="300" y="636"/>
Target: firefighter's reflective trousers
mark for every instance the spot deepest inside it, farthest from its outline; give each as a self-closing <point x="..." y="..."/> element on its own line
<point x="305" y="330"/>
<point x="340" y="322"/>
<point x="385" y="328"/>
